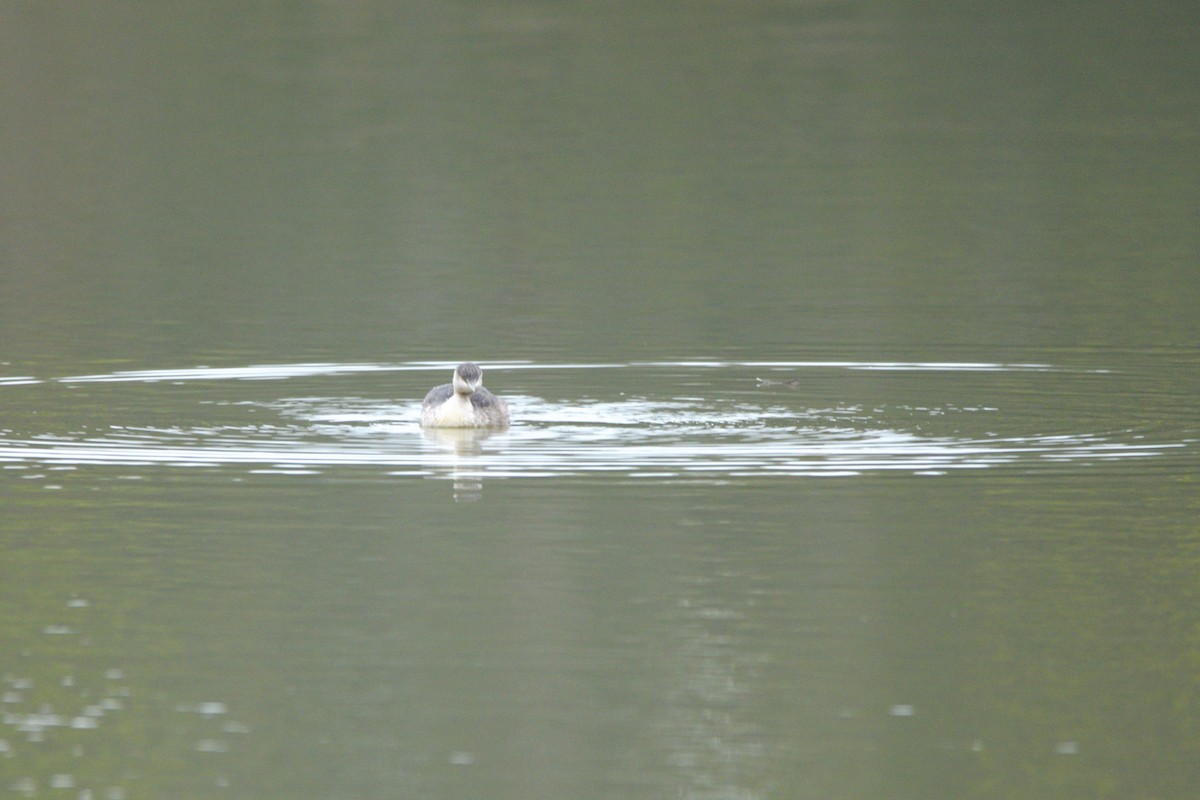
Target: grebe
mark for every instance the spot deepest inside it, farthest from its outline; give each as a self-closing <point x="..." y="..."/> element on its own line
<point x="463" y="403"/>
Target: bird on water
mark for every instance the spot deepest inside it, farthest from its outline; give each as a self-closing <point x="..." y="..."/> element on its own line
<point x="463" y="403"/>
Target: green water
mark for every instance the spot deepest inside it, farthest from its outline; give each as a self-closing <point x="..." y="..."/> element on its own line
<point x="956" y="558"/>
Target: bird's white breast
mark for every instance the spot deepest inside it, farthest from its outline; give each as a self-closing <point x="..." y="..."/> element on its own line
<point x="457" y="412"/>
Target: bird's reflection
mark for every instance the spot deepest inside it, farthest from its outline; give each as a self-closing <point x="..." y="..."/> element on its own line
<point x="466" y="445"/>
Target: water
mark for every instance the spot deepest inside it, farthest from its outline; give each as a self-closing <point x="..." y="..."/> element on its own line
<point x="626" y="592"/>
<point x="852" y="354"/>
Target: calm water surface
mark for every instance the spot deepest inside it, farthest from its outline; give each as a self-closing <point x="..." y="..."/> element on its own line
<point x="852" y="352"/>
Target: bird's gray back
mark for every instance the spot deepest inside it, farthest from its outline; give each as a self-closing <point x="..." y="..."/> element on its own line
<point x="482" y="398"/>
<point x="438" y="395"/>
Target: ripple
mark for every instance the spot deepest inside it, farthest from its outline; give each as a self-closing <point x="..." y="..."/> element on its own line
<point x="637" y="438"/>
<point x="275" y="372"/>
<point x="719" y="435"/>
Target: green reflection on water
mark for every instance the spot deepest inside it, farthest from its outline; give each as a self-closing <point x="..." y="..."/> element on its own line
<point x="776" y="182"/>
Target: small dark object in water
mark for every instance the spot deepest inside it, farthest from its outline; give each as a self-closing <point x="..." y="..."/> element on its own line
<point x="792" y="384"/>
